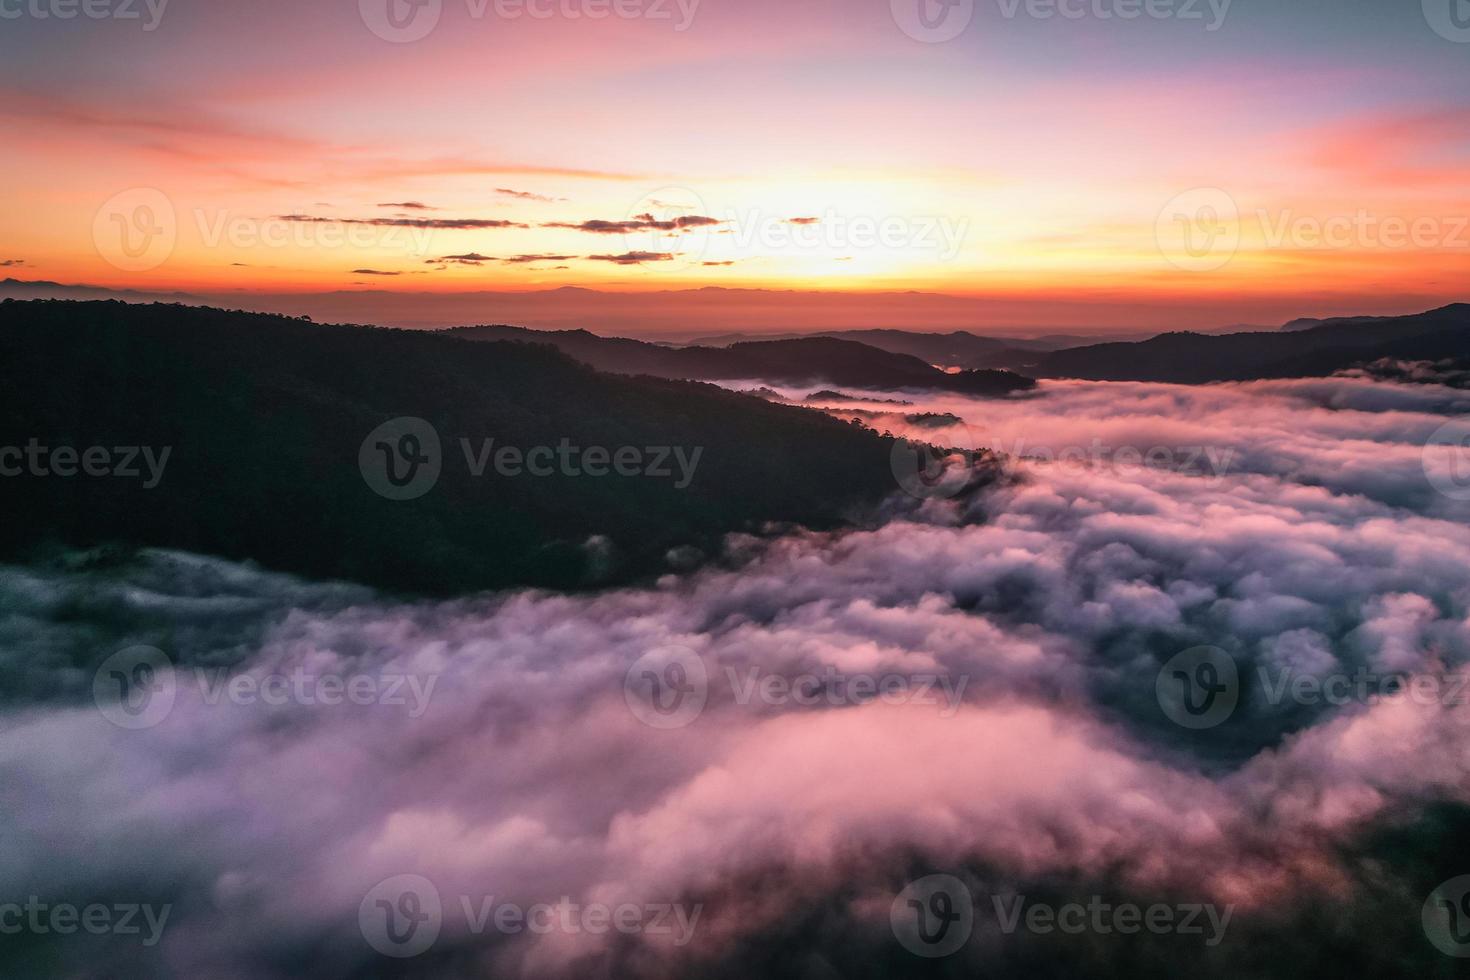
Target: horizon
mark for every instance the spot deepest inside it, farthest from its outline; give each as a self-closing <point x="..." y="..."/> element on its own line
<point x="658" y="315"/>
<point x="791" y="489"/>
<point x="1122" y="192"/>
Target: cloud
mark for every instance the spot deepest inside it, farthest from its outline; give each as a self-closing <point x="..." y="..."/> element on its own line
<point x="633" y="258"/>
<point x="1057" y="594"/>
<point x="437" y="223"/>
<point x="1418" y="148"/>
<point x="11" y="263"/>
<point x="527" y="195"/>
<point x="409" y="206"/>
<point x="523" y="259"/>
<point x="193" y="138"/>
<point x="802" y="221"/>
<point x="642" y="222"/>
<point x="475" y="258"/>
<point x="374" y="272"/>
<point x="468" y="258"/>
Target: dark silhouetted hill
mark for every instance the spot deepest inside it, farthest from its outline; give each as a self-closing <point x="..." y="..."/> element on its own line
<point x="1321" y="349"/>
<point x="265" y="416"/>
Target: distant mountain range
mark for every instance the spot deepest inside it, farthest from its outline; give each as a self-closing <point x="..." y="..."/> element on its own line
<point x="896" y="358"/>
<point x="45" y="289"/>
<point x="400" y="299"/>
<point x="1312" y="323"/>
<point x="959" y="348"/>
<point x="265" y="420"/>
<point x="1303" y="348"/>
<point x="807" y="360"/>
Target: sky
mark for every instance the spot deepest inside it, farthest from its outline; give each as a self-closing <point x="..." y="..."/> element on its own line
<point x="1071" y="163"/>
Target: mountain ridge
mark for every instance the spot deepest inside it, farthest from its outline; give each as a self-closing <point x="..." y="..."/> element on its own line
<point x="265" y="419"/>
<point x="805" y="360"/>
<point x="1324" y="348"/>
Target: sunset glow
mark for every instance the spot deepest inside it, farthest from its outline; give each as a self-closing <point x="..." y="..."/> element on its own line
<point x="734" y="489"/>
<point x="1016" y="161"/>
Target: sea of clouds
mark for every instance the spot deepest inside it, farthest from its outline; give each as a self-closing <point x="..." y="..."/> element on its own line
<point x="976" y="693"/>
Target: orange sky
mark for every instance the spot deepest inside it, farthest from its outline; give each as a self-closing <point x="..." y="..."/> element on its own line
<point x="1248" y="160"/>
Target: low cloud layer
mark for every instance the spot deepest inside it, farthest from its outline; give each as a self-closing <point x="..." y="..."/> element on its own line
<point x="527" y="195"/>
<point x="638" y="223"/>
<point x="450" y="224"/>
<point x="1025" y="750"/>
